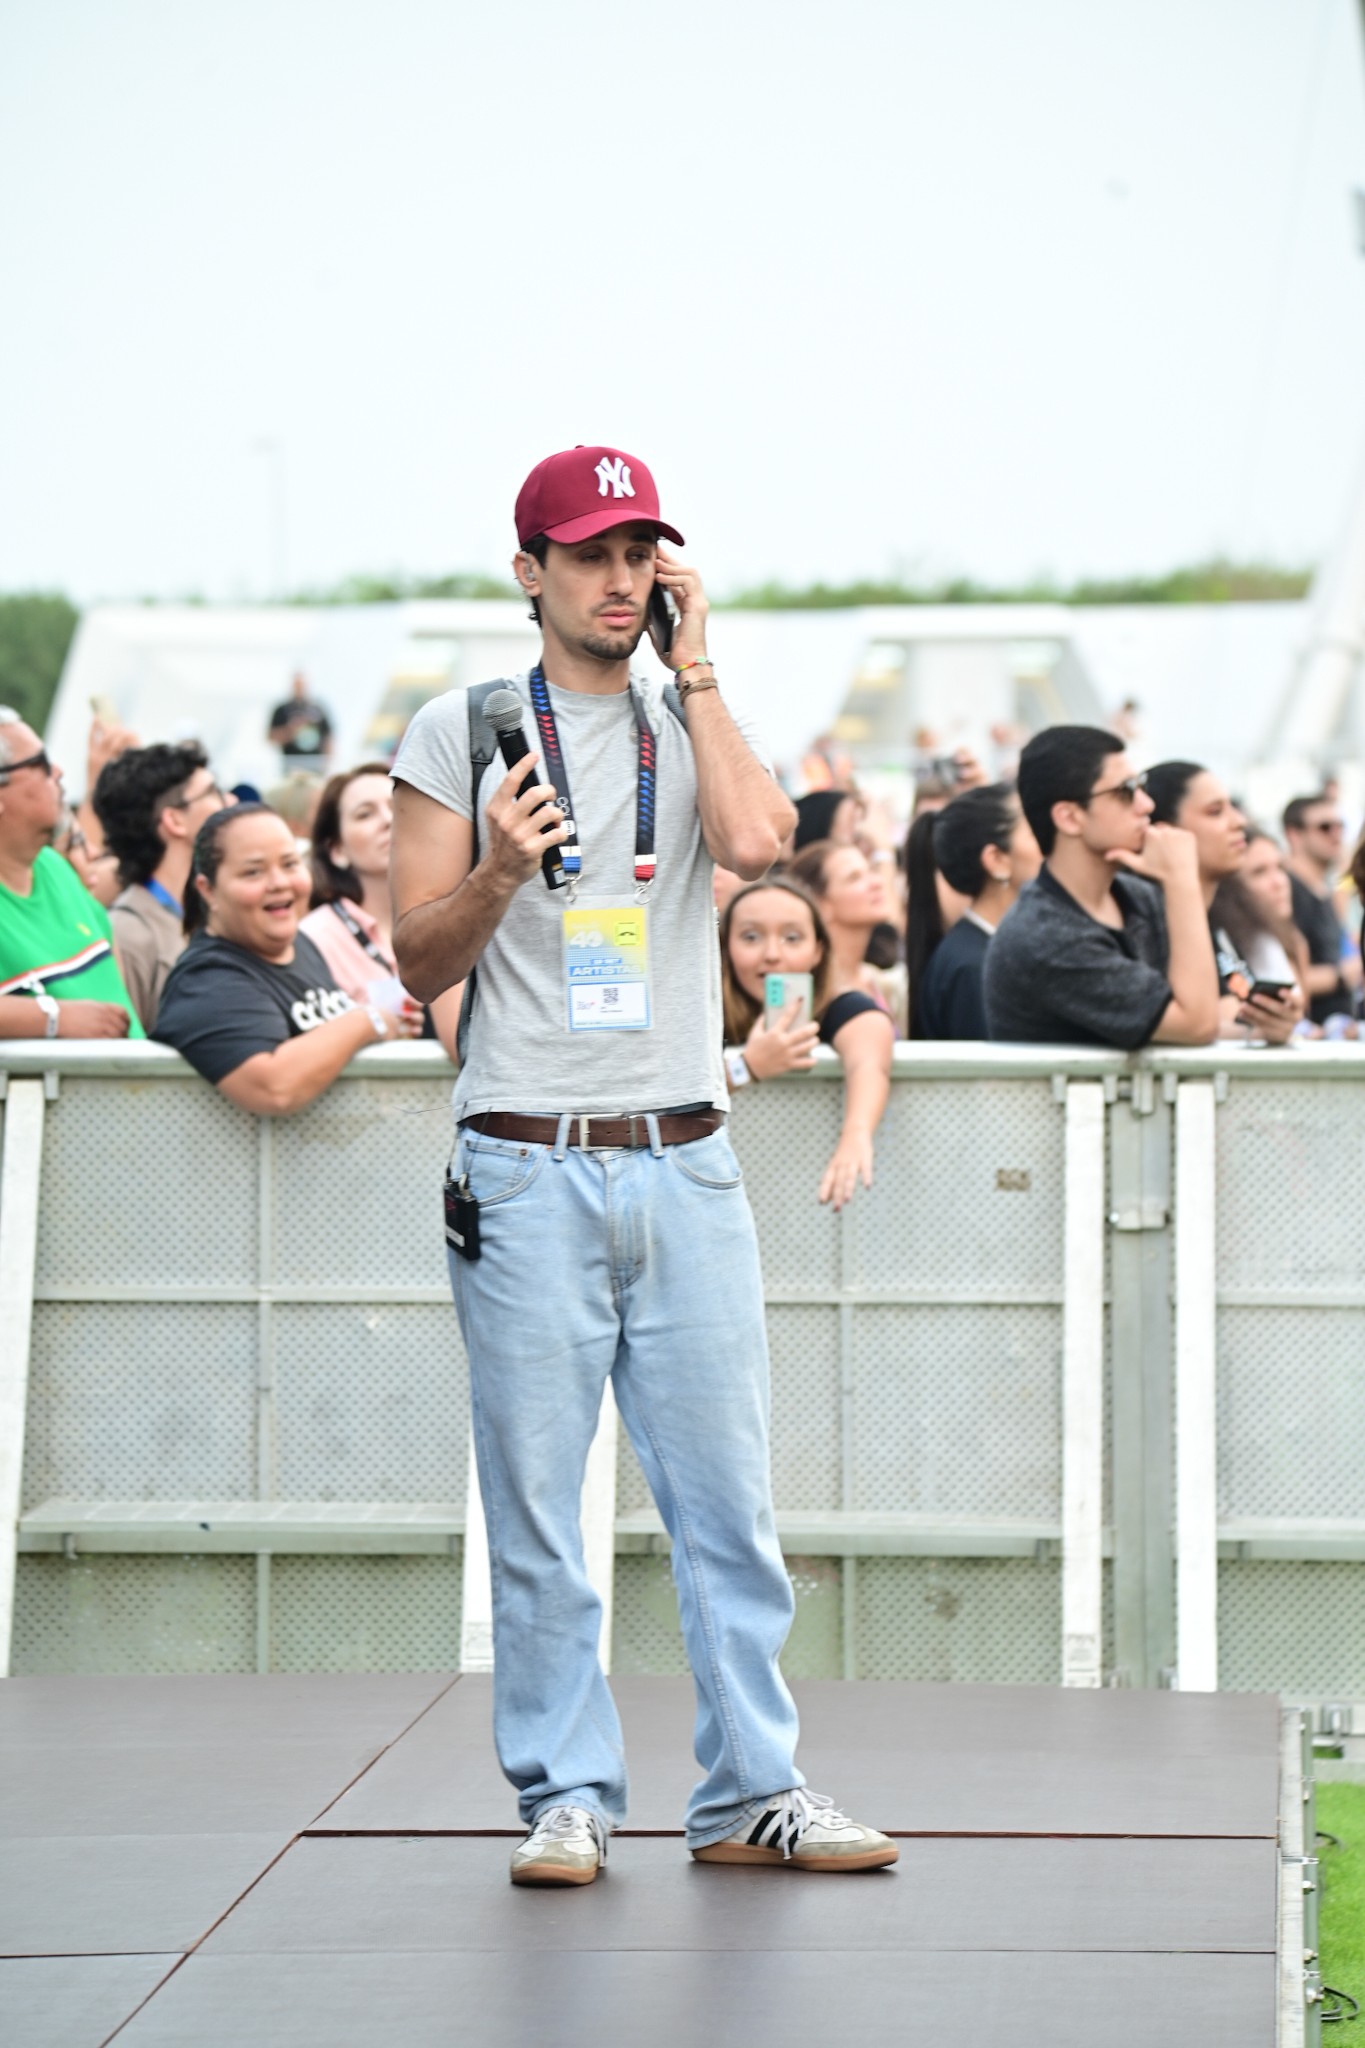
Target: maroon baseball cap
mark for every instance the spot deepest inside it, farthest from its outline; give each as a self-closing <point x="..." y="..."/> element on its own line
<point x="572" y="496"/>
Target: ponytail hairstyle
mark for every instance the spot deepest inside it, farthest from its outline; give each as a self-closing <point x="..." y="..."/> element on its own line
<point x="208" y="858"/>
<point x="951" y="843"/>
<point x="741" y="1010"/>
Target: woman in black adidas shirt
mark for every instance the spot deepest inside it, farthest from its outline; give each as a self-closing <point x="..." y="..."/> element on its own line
<point x="775" y="927"/>
<point x="250" y="1003"/>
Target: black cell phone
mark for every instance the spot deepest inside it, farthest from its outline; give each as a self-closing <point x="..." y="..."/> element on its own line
<point x="661" y="620"/>
<point x="1270" y="989"/>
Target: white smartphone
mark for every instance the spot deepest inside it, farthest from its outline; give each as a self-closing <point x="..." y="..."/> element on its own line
<point x="781" y="990"/>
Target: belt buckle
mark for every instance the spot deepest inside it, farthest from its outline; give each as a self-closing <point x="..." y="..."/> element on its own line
<point x="633" y="1139"/>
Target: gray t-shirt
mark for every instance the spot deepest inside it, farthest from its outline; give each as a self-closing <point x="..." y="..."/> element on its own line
<point x="522" y="1056"/>
<point x="1056" y="976"/>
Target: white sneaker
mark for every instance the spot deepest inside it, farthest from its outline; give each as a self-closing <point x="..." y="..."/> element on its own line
<point x="806" y="1830"/>
<point x="567" y="1845"/>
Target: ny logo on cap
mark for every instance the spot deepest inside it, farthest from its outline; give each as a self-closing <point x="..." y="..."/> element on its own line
<point x="617" y="474"/>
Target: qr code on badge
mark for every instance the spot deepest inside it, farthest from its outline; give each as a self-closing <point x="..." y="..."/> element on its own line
<point x="611" y="999"/>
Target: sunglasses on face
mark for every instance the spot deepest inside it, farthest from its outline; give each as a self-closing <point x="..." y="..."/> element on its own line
<point x="183" y="803"/>
<point x="38" y="760"/>
<point x="1127" y="789"/>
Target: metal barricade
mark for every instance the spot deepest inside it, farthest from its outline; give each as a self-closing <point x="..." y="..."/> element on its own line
<point x="1075" y="1392"/>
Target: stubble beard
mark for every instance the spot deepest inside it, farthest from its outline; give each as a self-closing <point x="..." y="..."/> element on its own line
<point x="611" y="647"/>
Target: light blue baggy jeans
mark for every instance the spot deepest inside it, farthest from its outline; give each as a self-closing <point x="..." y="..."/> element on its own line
<point x="642" y="1267"/>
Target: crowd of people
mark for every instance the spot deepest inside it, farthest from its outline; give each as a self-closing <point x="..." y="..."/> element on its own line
<point x="1083" y="902"/>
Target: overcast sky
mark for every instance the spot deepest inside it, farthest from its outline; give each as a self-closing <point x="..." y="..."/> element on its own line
<point x="980" y="285"/>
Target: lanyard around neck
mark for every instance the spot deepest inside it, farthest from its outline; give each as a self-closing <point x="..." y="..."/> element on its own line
<point x="375" y="951"/>
<point x="645" y="788"/>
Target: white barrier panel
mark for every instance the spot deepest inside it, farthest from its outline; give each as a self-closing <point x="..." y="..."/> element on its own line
<point x="246" y="1428"/>
<point x="1083" y="1388"/>
<point x="1196" y="1416"/>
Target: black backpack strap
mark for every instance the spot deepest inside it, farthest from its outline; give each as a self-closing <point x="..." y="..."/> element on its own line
<point x="483" y="747"/>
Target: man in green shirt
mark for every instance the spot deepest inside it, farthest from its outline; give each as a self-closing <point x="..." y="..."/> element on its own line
<point x="58" y="975"/>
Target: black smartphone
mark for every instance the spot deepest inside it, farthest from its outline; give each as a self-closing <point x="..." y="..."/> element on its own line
<point x="661" y="620"/>
<point x="1271" y="990"/>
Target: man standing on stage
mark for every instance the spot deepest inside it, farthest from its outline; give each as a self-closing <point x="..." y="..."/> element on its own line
<point x="612" y="1237"/>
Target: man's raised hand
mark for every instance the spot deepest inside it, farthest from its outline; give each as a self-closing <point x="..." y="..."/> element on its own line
<point x="1169" y="854"/>
<point x="521" y="827"/>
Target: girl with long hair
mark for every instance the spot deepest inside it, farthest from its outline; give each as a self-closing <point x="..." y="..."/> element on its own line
<point x="351" y="921"/>
<point x="774" y="927"/>
<point x="853" y="899"/>
<point x="1255" y="908"/>
<point x="1190" y="796"/>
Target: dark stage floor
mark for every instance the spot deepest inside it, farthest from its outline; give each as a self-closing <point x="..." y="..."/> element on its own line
<point x="265" y="1862"/>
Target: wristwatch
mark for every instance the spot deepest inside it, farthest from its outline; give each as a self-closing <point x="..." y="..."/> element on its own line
<point x="737" y="1067"/>
<point x="47" y="1004"/>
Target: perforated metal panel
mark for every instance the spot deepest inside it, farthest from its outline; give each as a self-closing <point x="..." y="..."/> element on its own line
<point x="1291" y="1184"/>
<point x="1293" y="1627"/>
<point x="957" y="1410"/>
<point x="146" y="1184"/>
<point x="803" y="1344"/>
<point x="134" y="1614"/>
<point x="1291" y="1412"/>
<point x="931" y="1308"/>
<point x="365" y="1613"/>
<point x="784" y="1133"/>
<point x="968" y="1195"/>
<point x="372" y="1402"/>
<point x="983" y="1620"/>
<point x="131" y="1402"/>
<point x="358" y="1187"/>
<point x="647" y="1636"/>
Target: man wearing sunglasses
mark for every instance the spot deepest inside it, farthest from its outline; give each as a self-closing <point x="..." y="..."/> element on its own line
<point x="1110" y="945"/>
<point x="58" y="975"/>
<point x="1315" y="835"/>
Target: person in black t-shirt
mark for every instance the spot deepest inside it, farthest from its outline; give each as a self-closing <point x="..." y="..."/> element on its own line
<point x="1110" y="944"/>
<point x="250" y="1003"/>
<point x="774" y="927"/>
<point x="301" y="729"/>
<point x="1313" y="832"/>
<point x="983" y="846"/>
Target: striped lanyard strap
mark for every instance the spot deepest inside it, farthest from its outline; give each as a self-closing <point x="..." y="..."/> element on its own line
<point x="646" y="782"/>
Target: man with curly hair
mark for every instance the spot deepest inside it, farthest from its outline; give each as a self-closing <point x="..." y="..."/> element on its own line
<point x="151" y="801"/>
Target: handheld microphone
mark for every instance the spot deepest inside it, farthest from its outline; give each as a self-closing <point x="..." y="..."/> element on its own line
<point x="503" y="710"/>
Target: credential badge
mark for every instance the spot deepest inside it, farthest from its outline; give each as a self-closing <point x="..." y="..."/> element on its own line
<point x="617" y="475"/>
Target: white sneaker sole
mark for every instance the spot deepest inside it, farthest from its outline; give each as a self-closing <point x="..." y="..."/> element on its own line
<point x="741" y="1852"/>
<point x="555" y="1874"/>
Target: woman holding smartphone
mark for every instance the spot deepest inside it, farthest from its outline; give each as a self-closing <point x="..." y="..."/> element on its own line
<point x="773" y="927"/>
<point x="1190" y="796"/>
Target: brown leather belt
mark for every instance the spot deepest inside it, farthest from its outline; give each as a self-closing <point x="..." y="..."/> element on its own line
<point x="597" y="1133"/>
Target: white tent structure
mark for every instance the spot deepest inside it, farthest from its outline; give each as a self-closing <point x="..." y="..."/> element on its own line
<point x="1207" y="678"/>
